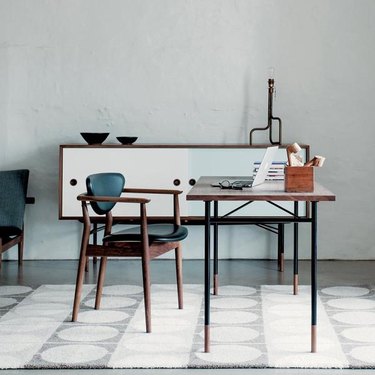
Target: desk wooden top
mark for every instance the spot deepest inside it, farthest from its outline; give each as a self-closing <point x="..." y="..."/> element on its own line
<point x="268" y="191"/>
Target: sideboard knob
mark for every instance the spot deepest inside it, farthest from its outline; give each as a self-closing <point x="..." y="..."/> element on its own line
<point x="176" y="182"/>
<point x="192" y="182"/>
<point x="73" y="182"/>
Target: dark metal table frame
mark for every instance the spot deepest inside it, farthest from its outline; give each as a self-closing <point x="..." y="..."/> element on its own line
<point x="203" y="191"/>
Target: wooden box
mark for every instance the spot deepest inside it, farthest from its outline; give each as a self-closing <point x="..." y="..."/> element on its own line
<point x="299" y="179"/>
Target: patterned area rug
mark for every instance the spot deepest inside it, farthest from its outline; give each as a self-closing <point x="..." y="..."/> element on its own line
<point x="264" y="326"/>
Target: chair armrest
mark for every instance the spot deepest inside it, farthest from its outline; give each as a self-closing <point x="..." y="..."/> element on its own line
<point x="151" y="191"/>
<point x="88" y="198"/>
<point x="176" y="204"/>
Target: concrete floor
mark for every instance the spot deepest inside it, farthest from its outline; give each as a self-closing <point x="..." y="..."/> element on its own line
<point x="242" y="272"/>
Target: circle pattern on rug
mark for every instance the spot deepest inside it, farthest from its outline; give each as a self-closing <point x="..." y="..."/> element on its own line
<point x="102" y="316"/>
<point x="233" y="317"/>
<point x="88" y="333"/>
<point x="230" y="354"/>
<point x="11" y="290"/>
<point x="351" y="303"/>
<point x="363" y="334"/>
<point x="364" y="353"/>
<point x="233" y="303"/>
<point x="231" y="334"/>
<point x="346" y="291"/>
<point x="112" y="302"/>
<point x="71" y="354"/>
<point x="122" y="290"/>
<point x="355" y="317"/>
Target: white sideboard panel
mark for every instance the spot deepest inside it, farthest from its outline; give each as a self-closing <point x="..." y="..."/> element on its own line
<point x="143" y="168"/>
<point x="158" y="167"/>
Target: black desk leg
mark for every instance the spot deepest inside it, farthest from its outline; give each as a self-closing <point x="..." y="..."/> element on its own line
<point x="207" y="276"/>
<point x="216" y="250"/>
<point x="295" y="251"/>
<point x="314" y="291"/>
<point x="280" y="246"/>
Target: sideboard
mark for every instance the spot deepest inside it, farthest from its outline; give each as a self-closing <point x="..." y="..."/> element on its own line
<point x="175" y="166"/>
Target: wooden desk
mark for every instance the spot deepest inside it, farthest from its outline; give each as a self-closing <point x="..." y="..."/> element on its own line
<point x="270" y="192"/>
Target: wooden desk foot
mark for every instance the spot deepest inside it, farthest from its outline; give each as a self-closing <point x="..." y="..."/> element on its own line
<point x="313" y="339"/>
<point x="295" y="285"/>
<point x="206" y="339"/>
<point x="216" y="285"/>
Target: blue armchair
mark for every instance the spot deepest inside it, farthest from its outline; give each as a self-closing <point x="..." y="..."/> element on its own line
<point x="13" y="191"/>
<point x="146" y="241"/>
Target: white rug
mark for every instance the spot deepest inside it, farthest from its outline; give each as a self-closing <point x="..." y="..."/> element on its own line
<point x="264" y="326"/>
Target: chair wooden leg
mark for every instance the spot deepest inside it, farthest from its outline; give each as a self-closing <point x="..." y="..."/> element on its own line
<point x="79" y="285"/>
<point x="99" y="287"/>
<point x="147" y="292"/>
<point x="87" y="263"/>
<point x="178" y="253"/>
<point x="20" y="251"/>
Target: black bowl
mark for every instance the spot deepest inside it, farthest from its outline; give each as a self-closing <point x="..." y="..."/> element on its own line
<point x="127" y="140"/>
<point x="94" y="138"/>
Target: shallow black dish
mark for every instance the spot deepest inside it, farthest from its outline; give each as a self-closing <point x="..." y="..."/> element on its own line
<point x="127" y="140"/>
<point x="94" y="138"/>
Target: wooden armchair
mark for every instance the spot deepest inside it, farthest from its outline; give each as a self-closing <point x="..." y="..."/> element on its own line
<point x="146" y="241"/>
<point x="13" y="191"/>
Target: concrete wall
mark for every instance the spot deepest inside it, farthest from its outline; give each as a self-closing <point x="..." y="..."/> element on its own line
<point x="192" y="71"/>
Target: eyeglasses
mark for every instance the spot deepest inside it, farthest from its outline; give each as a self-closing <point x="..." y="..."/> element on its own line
<point x="226" y="184"/>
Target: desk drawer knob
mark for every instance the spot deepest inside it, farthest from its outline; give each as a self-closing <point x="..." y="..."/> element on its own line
<point x="176" y="182"/>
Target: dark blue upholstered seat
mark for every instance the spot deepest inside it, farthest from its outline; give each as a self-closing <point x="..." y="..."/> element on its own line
<point x="13" y="192"/>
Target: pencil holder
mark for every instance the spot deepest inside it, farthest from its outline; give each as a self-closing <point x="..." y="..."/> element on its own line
<point x="299" y="179"/>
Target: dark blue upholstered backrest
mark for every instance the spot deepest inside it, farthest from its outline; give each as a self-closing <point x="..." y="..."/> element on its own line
<point x="13" y="191"/>
<point x="104" y="184"/>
